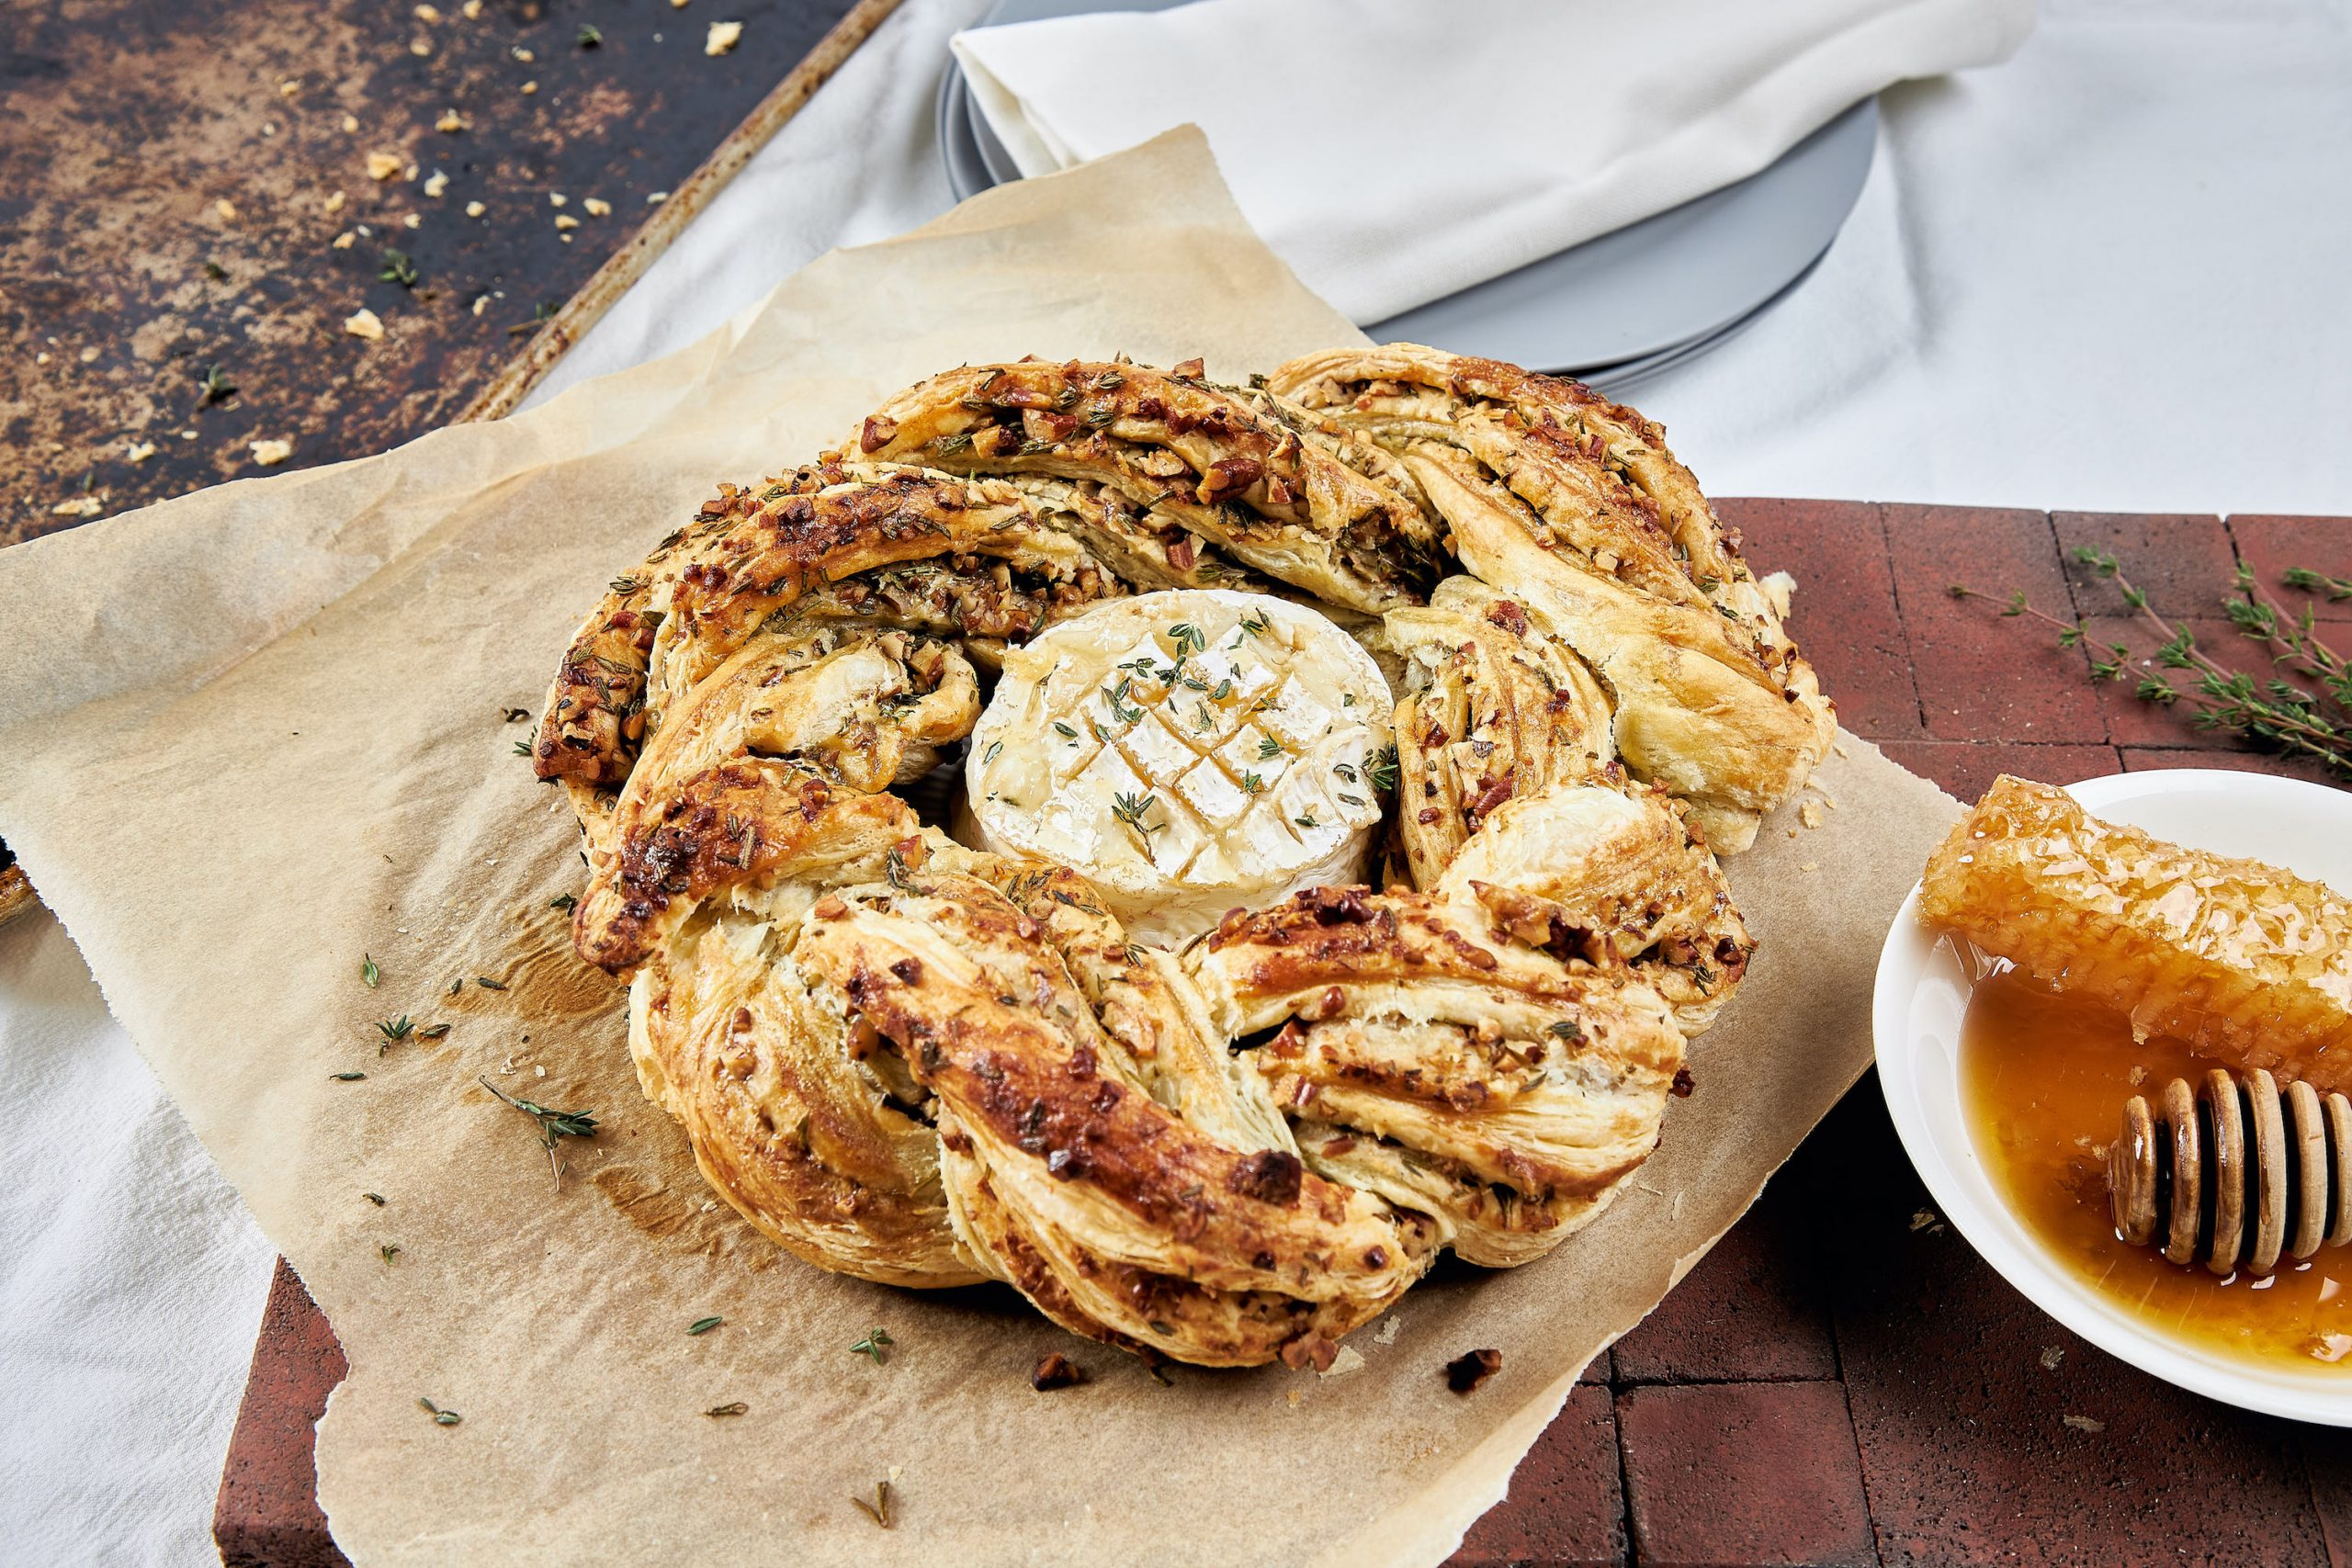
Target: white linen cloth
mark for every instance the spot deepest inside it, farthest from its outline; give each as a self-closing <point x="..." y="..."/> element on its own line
<point x="2111" y="274"/>
<point x="1395" y="151"/>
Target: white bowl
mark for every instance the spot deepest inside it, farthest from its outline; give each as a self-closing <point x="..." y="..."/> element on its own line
<point x="1915" y="1016"/>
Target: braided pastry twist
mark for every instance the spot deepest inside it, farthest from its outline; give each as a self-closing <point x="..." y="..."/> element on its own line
<point x="926" y="1065"/>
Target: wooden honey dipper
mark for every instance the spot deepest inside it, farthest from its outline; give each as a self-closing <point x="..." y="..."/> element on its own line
<point x="2234" y="1171"/>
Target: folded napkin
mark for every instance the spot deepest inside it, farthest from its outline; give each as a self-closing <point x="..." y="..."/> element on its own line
<point x="1395" y="151"/>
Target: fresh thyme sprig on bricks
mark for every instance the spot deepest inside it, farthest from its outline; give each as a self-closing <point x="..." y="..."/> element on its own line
<point x="2312" y="721"/>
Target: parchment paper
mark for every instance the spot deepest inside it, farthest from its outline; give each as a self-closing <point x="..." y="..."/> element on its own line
<point x="251" y="735"/>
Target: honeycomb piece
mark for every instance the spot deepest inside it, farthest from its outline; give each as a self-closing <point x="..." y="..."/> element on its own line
<point x="2245" y="962"/>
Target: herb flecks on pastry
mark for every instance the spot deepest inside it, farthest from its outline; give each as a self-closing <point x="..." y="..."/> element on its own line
<point x="928" y="1063"/>
<point x="1190" y="752"/>
<point x="1574" y="504"/>
<point x="1198" y="467"/>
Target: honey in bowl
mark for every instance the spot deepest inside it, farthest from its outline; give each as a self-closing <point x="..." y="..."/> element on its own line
<point x="2044" y="1077"/>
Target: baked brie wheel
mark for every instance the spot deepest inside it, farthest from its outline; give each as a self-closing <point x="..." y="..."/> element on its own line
<point x="1190" y="752"/>
<point x="927" y="1062"/>
<point x="1575" y="506"/>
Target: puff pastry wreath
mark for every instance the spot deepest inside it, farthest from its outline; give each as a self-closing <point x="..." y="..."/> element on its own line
<point x="925" y="1065"/>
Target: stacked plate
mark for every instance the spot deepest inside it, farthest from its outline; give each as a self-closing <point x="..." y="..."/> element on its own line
<point x="1613" y="311"/>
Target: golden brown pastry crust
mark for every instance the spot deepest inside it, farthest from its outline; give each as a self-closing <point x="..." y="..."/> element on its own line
<point x="926" y="1066"/>
<point x="1575" y="504"/>
<point x="1287" y="492"/>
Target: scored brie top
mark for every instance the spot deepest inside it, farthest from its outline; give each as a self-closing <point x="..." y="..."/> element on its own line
<point x="1187" y="751"/>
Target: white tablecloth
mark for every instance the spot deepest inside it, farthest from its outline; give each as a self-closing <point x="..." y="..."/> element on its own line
<point x="2114" y="273"/>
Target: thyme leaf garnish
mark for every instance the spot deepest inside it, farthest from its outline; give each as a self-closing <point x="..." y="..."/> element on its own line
<point x="703" y="1325"/>
<point x="395" y="1029"/>
<point x="1130" y="809"/>
<point x="732" y="1408"/>
<point x="347" y="1078"/>
<point x="2311" y="716"/>
<point x="877" y="1510"/>
<point x="368" y="973"/>
<point x="440" y="1418"/>
<point x="876" y="1340"/>
<point x="552" y="1124"/>
<point x="564" y="902"/>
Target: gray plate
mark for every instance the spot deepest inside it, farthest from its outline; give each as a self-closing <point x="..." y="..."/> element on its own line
<point x="1615" y="309"/>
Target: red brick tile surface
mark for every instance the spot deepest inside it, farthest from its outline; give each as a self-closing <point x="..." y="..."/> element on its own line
<point x="1566" y="1508"/>
<point x="1752" y="1309"/>
<point x="1843" y="613"/>
<point x="2269" y="546"/>
<point x="267" y="1514"/>
<point x="2140" y="758"/>
<point x="1967" y="768"/>
<point x="1966" y="1449"/>
<point x="1744" y="1473"/>
<point x="2184" y="564"/>
<point x="2134" y="720"/>
<point x="1982" y="675"/>
<point x="1832" y="1384"/>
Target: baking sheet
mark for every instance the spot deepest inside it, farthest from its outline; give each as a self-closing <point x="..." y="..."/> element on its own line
<point x="252" y="736"/>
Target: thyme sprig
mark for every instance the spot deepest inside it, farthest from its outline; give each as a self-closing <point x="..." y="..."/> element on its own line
<point x="1130" y="809"/>
<point x="876" y="1340"/>
<point x="552" y="1124"/>
<point x="2312" y="721"/>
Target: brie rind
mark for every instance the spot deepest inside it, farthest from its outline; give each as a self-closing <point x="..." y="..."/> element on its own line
<point x="1188" y="752"/>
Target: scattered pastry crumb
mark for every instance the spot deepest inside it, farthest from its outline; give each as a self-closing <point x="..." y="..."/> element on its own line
<point x="343" y="242"/>
<point x="557" y="198"/>
<point x="1056" y="1370"/>
<point x="1810" y="814"/>
<point x="1810" y="866"/>
<point x="471" y="10"/>
<point x="450" y="123"/>
<point x="80" y="506"/>
<point x="427" y="14"/>
<point x="1349" y="1359"/>
<point x="364" y="323"/>
<point x="1924" y="1220"/>
<point x="566" y="220"/>
<point x="268" y="454"/>
<point x="334" y="203"/>
<point x="382" y="165"/>
<point x="2138" y="1074"/>
<point x="529" y="88"/>
<point x="1464" y="1373"/>
<point x="420" y="47"/>
<point x="598" y="207"/>
<point x="411" y="221"/>
<point x="140" y="452"/>
<point x="2085" y="1423"/>
<point x="2051" y="1356"/>
<point x="350" y="123"/>
<point x="435" y="183"/>
<point x="1294" y="1397"/>
<point x="1390" y="1326"/>
<point x="475" y="209"/>
<point x="226" y="209"/>
<point x="722" y="38"/>
<point x="656" y="198"/>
